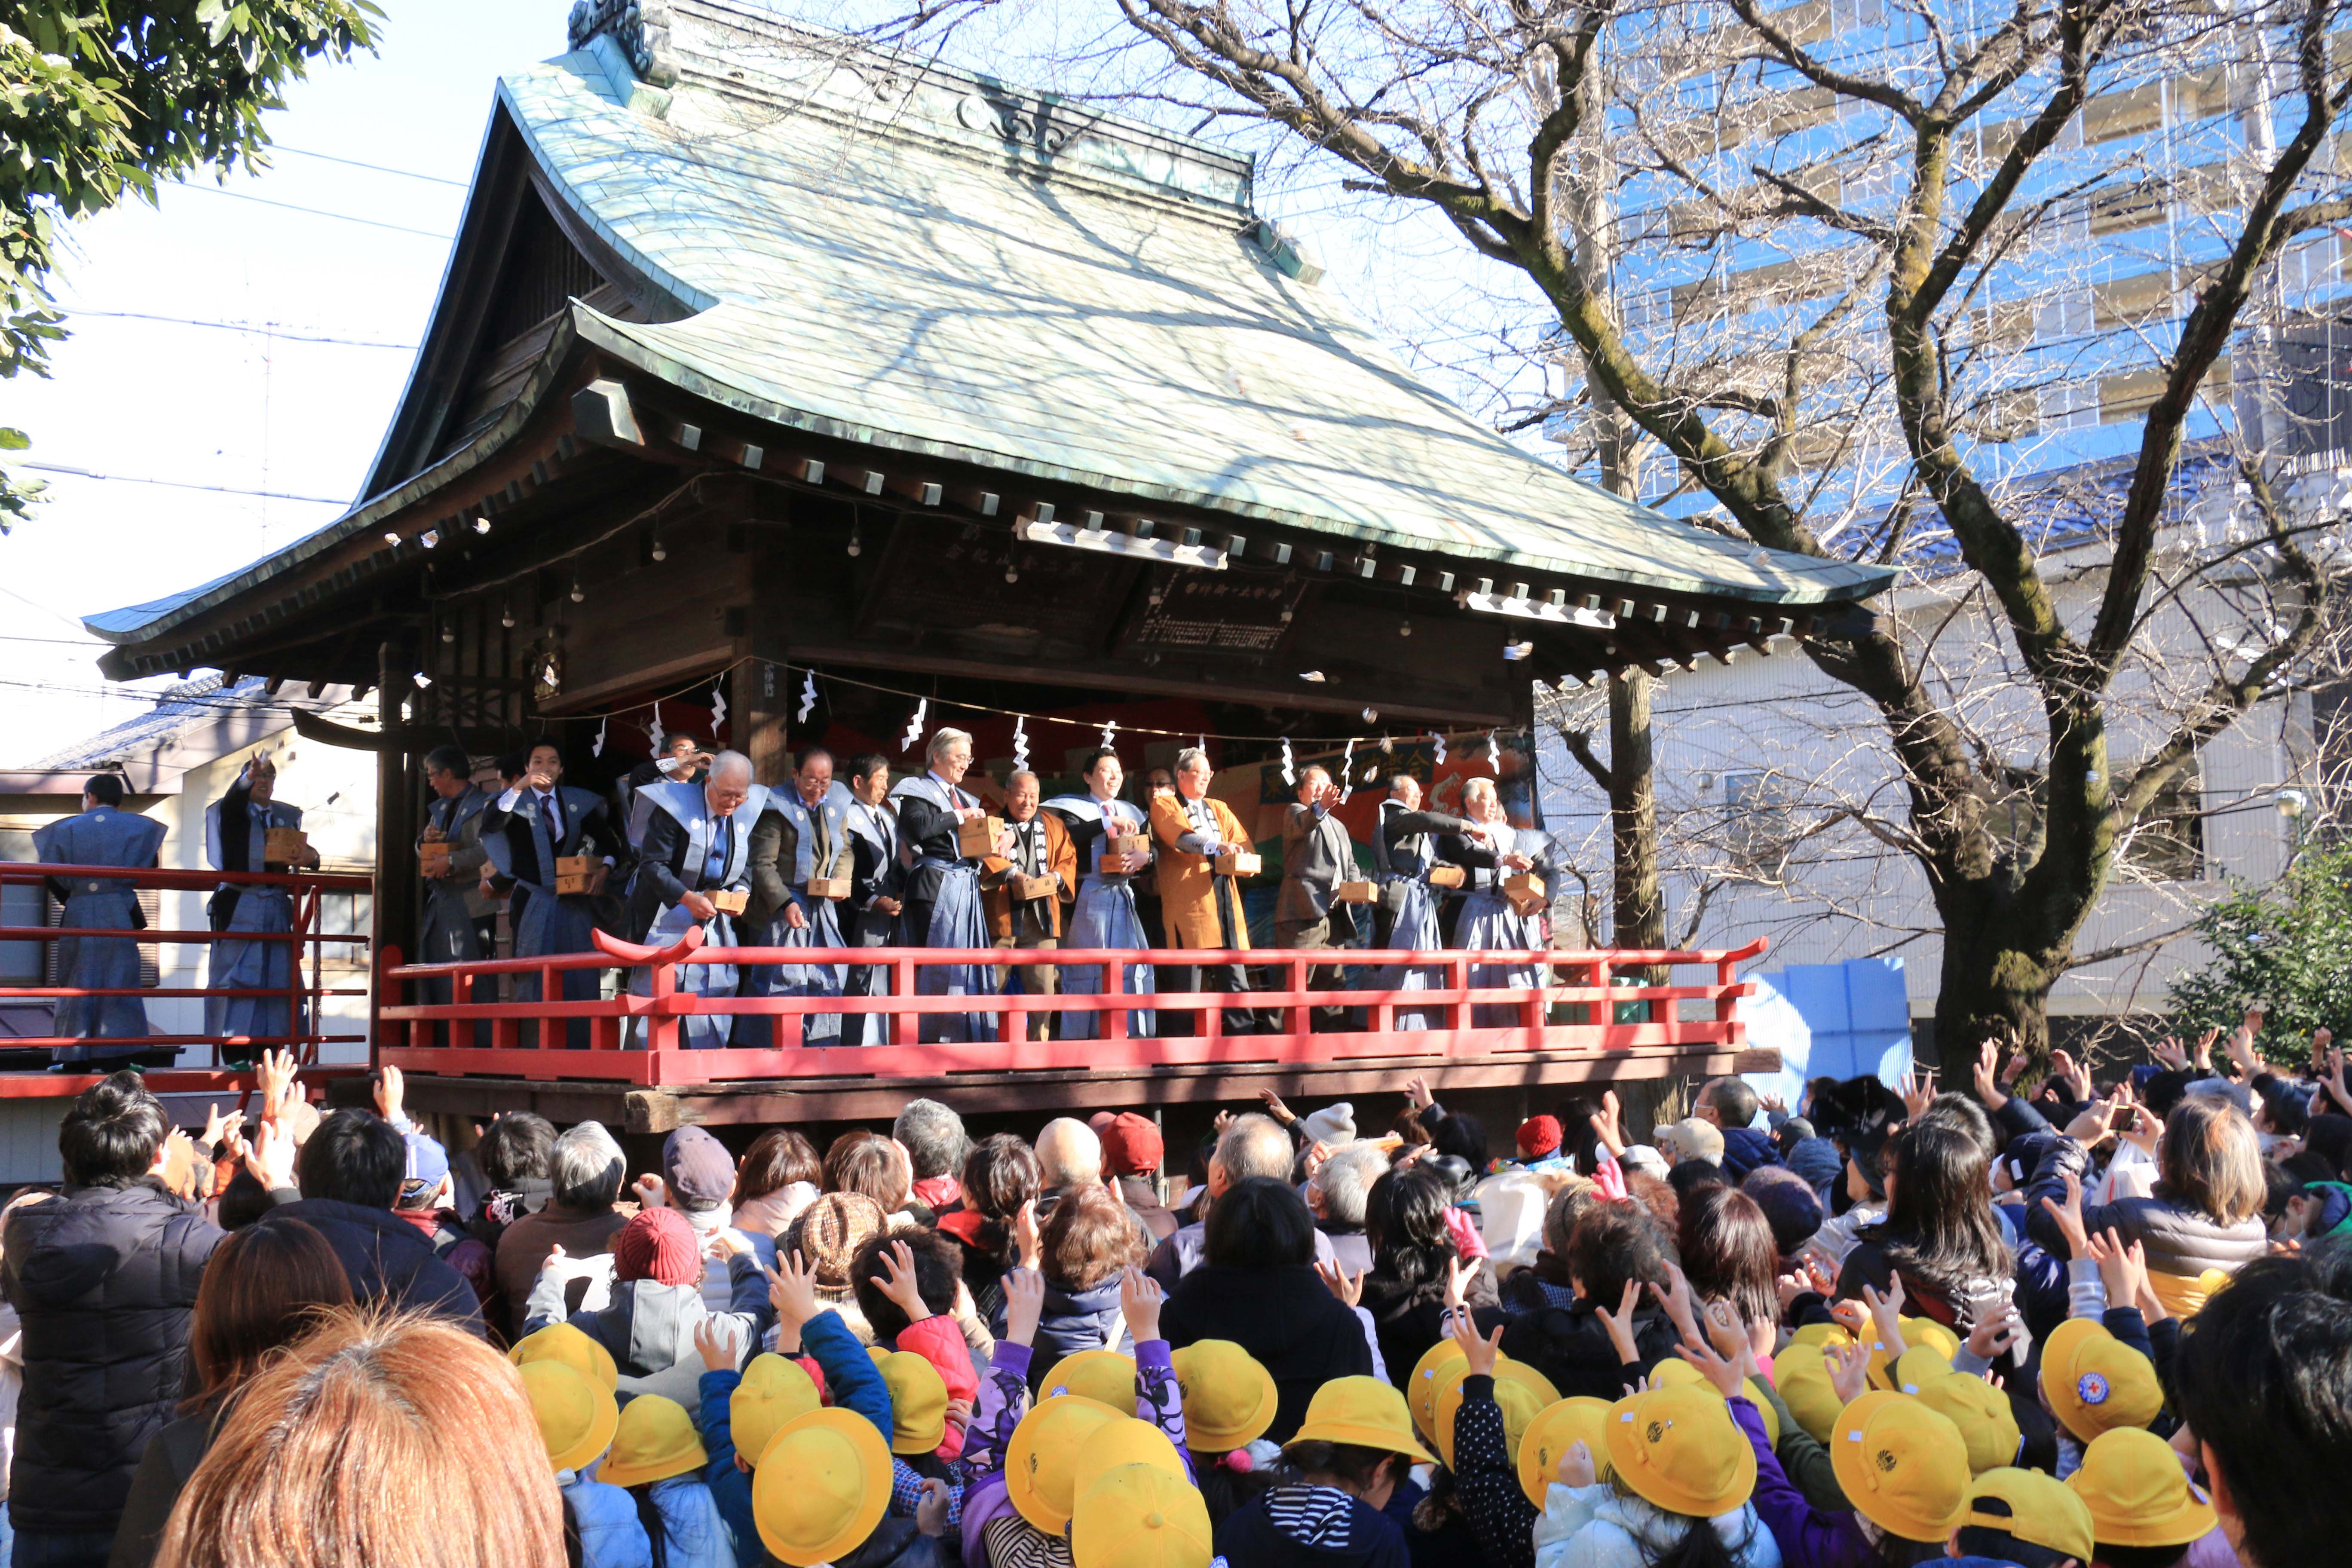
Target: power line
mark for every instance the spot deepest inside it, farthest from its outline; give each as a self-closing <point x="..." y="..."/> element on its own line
<point x="378" y="168"/>
<point x="317" y="212"/>
<point x="181" y="484"/>
<point x="267" y="329"/>
<point x="55" y="642"/>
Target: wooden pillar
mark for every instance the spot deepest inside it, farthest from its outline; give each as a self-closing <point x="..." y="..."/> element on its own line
<point x="395" y="903"/>
<point x="765" y="693"/>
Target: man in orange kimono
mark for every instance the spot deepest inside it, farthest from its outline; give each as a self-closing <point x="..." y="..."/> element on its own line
<point x="1201" y="908"/>
<point x="1041" y="847"/>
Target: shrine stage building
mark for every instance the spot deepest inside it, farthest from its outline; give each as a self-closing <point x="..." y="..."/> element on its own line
<point x="779" y="383"/>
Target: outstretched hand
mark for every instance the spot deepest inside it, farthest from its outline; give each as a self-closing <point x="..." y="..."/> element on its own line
<point x="791" y="1291"/>
<point x="1024" y="1304"/>
<point x="1139" y="1301"/>
<point x="898" y="1282"/>
<point x="1348" y="1288"/>
<point x="1478" y="1350"/>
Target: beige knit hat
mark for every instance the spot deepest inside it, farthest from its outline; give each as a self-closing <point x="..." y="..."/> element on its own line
<point x="829" y="1232"/>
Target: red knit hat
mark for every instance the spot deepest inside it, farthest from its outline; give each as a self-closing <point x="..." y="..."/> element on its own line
<point x="657" y="1244"/>
<point x="1540" y="1136"/>
<point x="1131" y="1146"/>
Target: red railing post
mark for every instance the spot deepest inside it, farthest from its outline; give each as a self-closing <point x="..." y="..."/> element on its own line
<point x="904" y="1029"/>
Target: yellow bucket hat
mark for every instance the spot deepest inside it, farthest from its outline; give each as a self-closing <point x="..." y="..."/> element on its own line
<point x="1903" y="1466"/>
<point x="1126" y="1441"/>
<point x="1553" y="1432"/>
<point x="1041" y="1458"/>
<point x="562" y="1341"/>
<point x="1916" y="1332"/>
<point x="1801" y="1375"/>
<point x="654" y="1440"/>
<point x="919" y="1403"/>
<point x="2132" y="1483"/>
<point x="775" y="1390"/>
<point x="1675" y="1372"/>
<point x="2039" y="1509"/>
<point x="1428" y="1381"/>
<point x="1519" y="1404"/>
<point x="576" y="1414"/>
<point x="1229" y="1397"/>
<point x="1988" y="1426"/>
<point x="1364" y="1411"/>
<point x="1104" y="1376"/>
<point x="2093" y="1382"/>
<point x="1678" y="1449"/>
<point x="1816" y="1335"/>
<point x="822" y="1485"/>
<point x="1139" y="1516"/>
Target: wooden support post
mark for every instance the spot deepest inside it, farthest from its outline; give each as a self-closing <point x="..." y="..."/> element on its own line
<point x="394" y="905"/>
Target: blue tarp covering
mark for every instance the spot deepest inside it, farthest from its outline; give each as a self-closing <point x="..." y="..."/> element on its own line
<point x="1830" y="1020"/>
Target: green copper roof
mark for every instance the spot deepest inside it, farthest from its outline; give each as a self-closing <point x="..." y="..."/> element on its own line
<point x="888" y="254"/>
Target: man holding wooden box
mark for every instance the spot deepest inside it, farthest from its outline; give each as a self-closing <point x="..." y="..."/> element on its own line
<point x="456" y="926"/>
<point x="249" y="829"/>
<point x="801" y="865"/>
<point x="557" y="844"/>
<point x="1107" y="838"/>
<point x="1203" y="849"/>
<point x="694" y="869"/>
<point x="1406" y="916"/>
<point x="944" y="833"/>
<point x="1319" y="866"/>
<point x="1024" y="890"/>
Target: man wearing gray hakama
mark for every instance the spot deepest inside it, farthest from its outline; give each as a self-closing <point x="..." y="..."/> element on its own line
<point x="1406" y="919"/>
<point x="942" y="906"/>
<point x="1105" y="914"/>
<point x="235" y="831"/>
<point x="802" y="834"/>
<point x="104" y="835"/>
<point x="697" y="843"/>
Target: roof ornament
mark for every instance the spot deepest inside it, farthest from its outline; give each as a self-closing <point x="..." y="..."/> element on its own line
<point x="641" y="28"/>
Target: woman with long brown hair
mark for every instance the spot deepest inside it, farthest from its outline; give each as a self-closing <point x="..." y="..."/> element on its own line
<point x="378" y="1440"/>
<point x="266" y="1287"/>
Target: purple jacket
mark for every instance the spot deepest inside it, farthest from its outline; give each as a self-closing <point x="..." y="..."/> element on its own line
<point x="1809" y="1537"/>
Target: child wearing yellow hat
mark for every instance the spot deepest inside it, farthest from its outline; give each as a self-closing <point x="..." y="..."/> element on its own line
<point x="658" y="1457"/>
<point x="2025" y="1518"/>
<point x="1230" y="1400"/>
<point x="2144" y="1513"/>
<point x="1022" y="1463"/>
<point x="1678" y="1464"/>
<point x="1342" y="1467"/>
<point x="576" y="1420"/>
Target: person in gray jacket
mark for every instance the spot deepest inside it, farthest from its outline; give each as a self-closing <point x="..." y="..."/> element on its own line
<point x="649" y="1322"/>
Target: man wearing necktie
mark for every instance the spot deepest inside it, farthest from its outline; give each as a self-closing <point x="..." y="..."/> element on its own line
<point x="539" y="820"/>
<point x="1041" y="847"/>
<point x="878" y="885"/>
<point x="697" y="844"/>
<point x="801" y="836"/>
<point x="1202" y="907"/>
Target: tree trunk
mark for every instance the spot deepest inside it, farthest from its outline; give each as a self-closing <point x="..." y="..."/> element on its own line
<point x="1641" y="905"/>
<point x="1990" y="986"/>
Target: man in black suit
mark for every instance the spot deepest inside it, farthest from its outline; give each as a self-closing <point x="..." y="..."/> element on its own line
<point x="878" y="888"/>
<point x="537" y="822"/>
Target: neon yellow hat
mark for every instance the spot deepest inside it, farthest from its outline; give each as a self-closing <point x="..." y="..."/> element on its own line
<point x="1104" y="1376"/>
<point x="1903" y="1466"/>
<point x="1982" y="1414"/>
<point x="1125" y="1440"/>
<point x="1041" y="1458"/>
<point x="2132" y="1483"/>
<point x="1916" y="1332"/>
<point x="775" y="1392"/>
<point x="822" y="1485"/>
<point x="1229" y="1397"/>
<point x="1139" y="1516"/>
<point x="1675" y="1372"/>
<point x="576" y="1414"/>
<point x="1554" y="1431"/>
<point x="655" y="1439"/>
<point x="1801" y="1375"/>
<point x="2039" y="1509"/>
<point x="2093" y="1382"/>
<point x="1519" y="1404"/>
<point x="1365" y="1412"/>
<point x="1678" y="1449"/>
<point x="562" y="1341"/>
<point x="1427" y="1382"/>
<point x="919" y="1403"/>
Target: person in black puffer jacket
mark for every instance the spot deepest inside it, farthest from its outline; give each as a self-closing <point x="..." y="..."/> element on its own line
<point x="104" y="1278"/>
<point x="1404" y="1218"/>
<point x="1258" y="1288"/>
<point x="1613" y="1244"/>
<point x="350" y="1170"/>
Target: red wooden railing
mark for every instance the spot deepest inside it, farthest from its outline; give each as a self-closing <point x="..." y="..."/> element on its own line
<point x="634" y="1039"/>
<point x="302" y="994"/>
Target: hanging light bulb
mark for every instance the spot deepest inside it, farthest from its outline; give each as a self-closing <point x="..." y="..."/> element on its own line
<point x="392" y="539"/>
<point x="506" y="613"/>
<point x="429" y="537"/>
<point x="482" y="525"/>
<point x="579" y="593"/>
<point x="1372" y="715"/>
<point x="854" y="546"/>
<point x="661" y="551"/>
<point x="448" y="631"/>
<point x="1011" y="572"/>
<point x="1404" y="629"/>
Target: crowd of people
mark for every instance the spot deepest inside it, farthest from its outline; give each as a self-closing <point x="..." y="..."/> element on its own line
<point x="2033" y="1325"/>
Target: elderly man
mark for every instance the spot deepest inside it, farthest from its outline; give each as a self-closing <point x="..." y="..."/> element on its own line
<point x="1407" y="914"/>
<point x="104" y="835"/>
<point x="684" y="759"/>
<point x="1336" y="1192"/>
<point x="1203" y="908"/>
<point x="456" y="925"/>
<point x="1251" y="1145"/>
<point x="943" y="907"/>
<point x="237" y="828"/>
<point x="1316" y="855"/>
<point x="878" y="882"/>
<point x="698" y="845"/>
<point x="539" y="820"/>
<point x="584" y="1172"/>
<point x="1108" y="911"/>
<point x="803" y="835"/>
<point x="1731" y="1103"/>
<point x="1041" y="848"/>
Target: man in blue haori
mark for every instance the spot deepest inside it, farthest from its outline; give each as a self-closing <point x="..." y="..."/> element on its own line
<point x="942" y="903"/>
<point x="1406" y="916"/>
<point x="104" y="835"/>
<point x="538" y="821"/>
<point x="878" y="886"/>
<point x="697" y="844"/>
<point x="458" y="913"/>
<point x="802" y="835"/>
<point x="237" y="829"/>
<point x="1489" y="918"/>
<point x="1105" y="915"/>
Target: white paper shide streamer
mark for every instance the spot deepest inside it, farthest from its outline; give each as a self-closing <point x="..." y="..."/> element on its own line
<point x="808" y="697"/>
<point x="1494" y="753"/>
<point x="1440" y="742"/>
<point x="915" y="725"/>
<point x="718" y="710"/>
<point x="1111" y="733"/>
<point x="598" y="749"/>
<point x="1346" y="787"/>
<point x="1021" y="744"/>
<point x="1289" y="775"/>
<point x="655" y="732"/>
